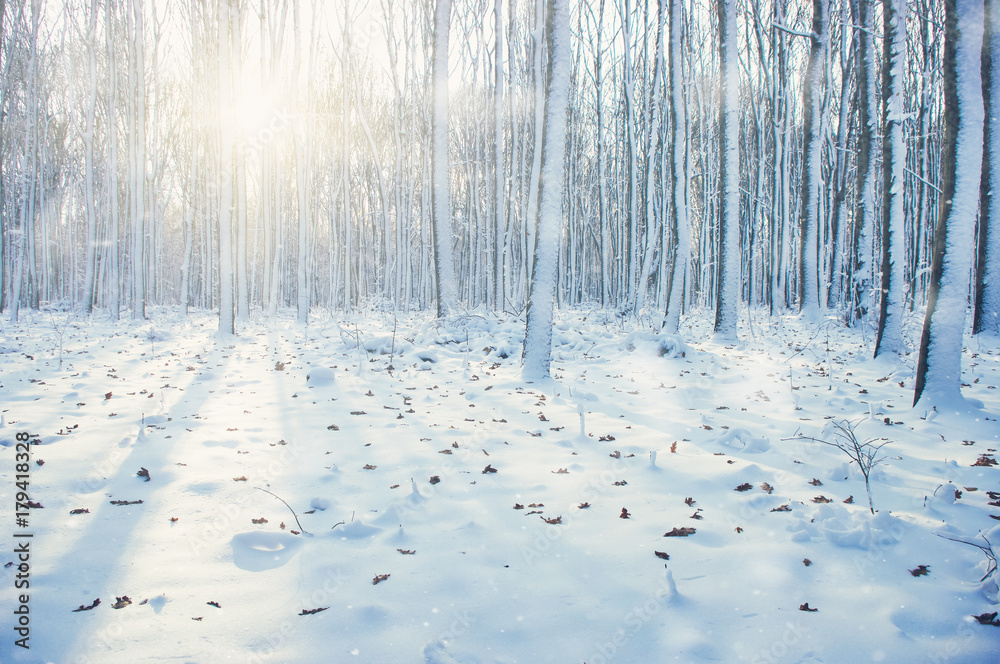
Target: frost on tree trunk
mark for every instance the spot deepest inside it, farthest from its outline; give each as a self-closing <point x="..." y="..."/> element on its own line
<point x="987" y="310"/>
<point x="939" y="366"/>
<point x="138" y="139"/>
<point x="499" y="211"/>
<point x="728" y="292"/>
<point x="679" y="224"/>
<point x="226" y="322"/>
<point x="651" y="216"/>
<point x="812" y="146"/>
<point x="301" y="138"/>
<point x="447" y="289"/>
<point x="864" y="214"/>
<point x="538" y="332"/>
<point x="890" y="320"/>
<point x="90" y="275"/>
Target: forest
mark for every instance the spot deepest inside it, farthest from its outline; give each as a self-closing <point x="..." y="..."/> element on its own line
<point x="497" y="331"/>
<point x="249" y="156"/>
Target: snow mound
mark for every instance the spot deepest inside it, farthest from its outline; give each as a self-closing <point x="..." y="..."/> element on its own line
<point x="742" y="439"/>
<point x="434" y="653"/>
<point x="427" y="355"/>
<point x="357" y="530"/>
<point x="320" y="504"/>
<point x="663" y="345"/>
<point x="259" y="551"/>
<point x="862" y="531"/>
<point x="320" y="376"/>
<point x="503" y="350"/>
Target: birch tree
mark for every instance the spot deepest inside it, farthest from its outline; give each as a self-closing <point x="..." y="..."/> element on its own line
<point x="864" y="210"/>
<point x="679" y="224"/>
<point x="939" y="365"/>
<point x="137" y="155"/>
<point x="225" y="190"/>
<point x="986" y="315"/>
<point x="447" y="290"/>
<point x="653" y="136"/>
<point x="728" y="292"/>
<point x="87" y="131"/>
<point x="812" y="147"/>
<point x="301" y="138"/>
<point x="541" y="297"/>
<point x="889" y="338"/>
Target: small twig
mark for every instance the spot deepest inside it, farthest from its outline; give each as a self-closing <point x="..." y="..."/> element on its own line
<point x="795" y="33"/>
<point x="392" y="350"/>
<point x="864" y="454"/>
<point x="987" y="550"/>
<point x="339" y="523"/>
<point x="286" y="505"/>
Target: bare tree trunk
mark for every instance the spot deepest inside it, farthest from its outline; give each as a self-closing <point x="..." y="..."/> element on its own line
<point x="812" y="149"/>
<point x="652" y="222"/>
<point x="891" y="306"/>
<point x="114" y="281"/>
<point x="89" y="194"/>
<point x="939" y="365"/>
<point x="138" y="166"/>
<point x="864" y="211"/>
<point x="986" y="315"/>
<point x="301" y="138"/>
<point x="447" y="295"/>
<point x="538" y="329"/>
<point x="679" y="223"/>
<point x="499" y="198"/>
<point x="226" y="320"/>
<point x="728" y="284"/>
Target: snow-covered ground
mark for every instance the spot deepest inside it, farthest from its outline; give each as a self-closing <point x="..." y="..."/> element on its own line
<point x="445" y="511"/>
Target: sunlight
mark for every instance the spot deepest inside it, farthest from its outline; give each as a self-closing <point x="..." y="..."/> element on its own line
<point x="254" y="110"/>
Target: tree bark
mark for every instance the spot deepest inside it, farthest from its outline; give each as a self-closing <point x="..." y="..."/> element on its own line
<point x="986" y="315"/>
<point x="447" y="291"/>
<point x="812" y="150"/>
<point x="728" y="282"/>
<point x="540" y="310"/>
<point x="890" y="321"/>
<point x="939" y="365"/>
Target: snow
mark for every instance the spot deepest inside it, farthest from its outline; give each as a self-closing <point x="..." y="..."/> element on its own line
<point x="944" y="351"/>
<point x="667" y="436"/>
<point x="809" y="272"/>
<point x="890" y="339"/>
<point x="538" y="333"/>
<point x="991" y="296"/>
<point x="729" y="287"/>
<point x="443" y="250"/>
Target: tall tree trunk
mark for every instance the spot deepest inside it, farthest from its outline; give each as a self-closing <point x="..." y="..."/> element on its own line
<point x="90" y="194"/>
<point x="301" y="138"/>
<point x="679" y="224"/>
<point x="538" y="329"/>
<point x="890" y="320"/>
<point x="447" y="290"/>
<point x="812" y="152"/>
<point x="986" y="316"/>
<point x="499" y="199"/>
<point x="939" y="365"/>
<point x="538" y="129"/>
<point x="226" y="319"/>
<point x="652" y="222"/>
<point x="115" y="287"/>
<point x="138" y="166"/>
<point x="864" y="211"/>
<point x="242" y="276"/>
<point x="602" y="183"/>
<point x="728" y="283"/>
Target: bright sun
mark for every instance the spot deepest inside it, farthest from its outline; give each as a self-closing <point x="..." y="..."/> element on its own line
<point x="254" y="110"/>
